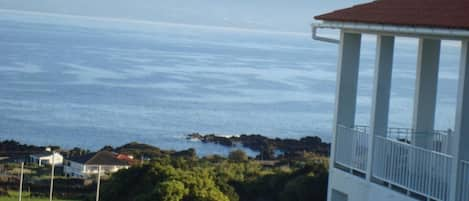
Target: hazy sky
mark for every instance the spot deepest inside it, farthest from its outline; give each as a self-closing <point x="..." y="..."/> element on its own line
<point x="283" y="15"/>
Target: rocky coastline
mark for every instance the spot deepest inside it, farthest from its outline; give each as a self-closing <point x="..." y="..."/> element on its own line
<point x="268" y="147"/>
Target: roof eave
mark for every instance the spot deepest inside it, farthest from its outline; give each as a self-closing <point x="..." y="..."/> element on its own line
<point x="398" y="30"/>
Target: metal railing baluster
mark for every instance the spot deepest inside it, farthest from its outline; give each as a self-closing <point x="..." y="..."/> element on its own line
<point x="399" y="162"/>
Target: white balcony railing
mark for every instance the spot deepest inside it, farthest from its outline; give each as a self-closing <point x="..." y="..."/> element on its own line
<point x="352" y="147"/>
<point x="438" y="139"/>
<point x="398" y="162"/>
<point x="465" y="179"/>
<point x="415" y="169"/>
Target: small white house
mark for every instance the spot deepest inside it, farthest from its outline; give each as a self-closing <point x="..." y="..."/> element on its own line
<point x="88" y="165"/>
<point x="47" y="158"/>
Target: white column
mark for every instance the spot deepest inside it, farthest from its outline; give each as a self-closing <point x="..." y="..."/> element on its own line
<point x="381" y="94"/>
<point x="459" y="144"/>
<point x="346" y="89"/>
<point x="425" y="90"/>
<point x="347" y="79"/>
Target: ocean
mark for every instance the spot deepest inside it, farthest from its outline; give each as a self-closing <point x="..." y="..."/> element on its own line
<point x="87" y="82"/>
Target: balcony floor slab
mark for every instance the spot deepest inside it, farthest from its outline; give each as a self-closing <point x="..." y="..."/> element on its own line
<point x="359" y="189"/>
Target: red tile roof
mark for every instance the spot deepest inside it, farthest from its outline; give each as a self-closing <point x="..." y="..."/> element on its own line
<point x="452" y="14"/>
<point x="99" y="158"/>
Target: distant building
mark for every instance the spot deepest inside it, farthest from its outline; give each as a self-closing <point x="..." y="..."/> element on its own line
<point x="128" y="158"/>
<point x="87" y="165"/>
<point x="47" y="158"/>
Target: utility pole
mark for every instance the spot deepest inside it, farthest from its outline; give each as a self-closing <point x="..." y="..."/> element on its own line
<point x="52" y="177"/>
<point x="21" y="181"/>
<point x="98" y="183"/>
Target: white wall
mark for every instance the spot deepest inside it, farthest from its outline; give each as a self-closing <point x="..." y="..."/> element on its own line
<point x="358" y="189"/>
<point x="93" y="169"/>
<point x="47" y="160"/>
<point x="74" y="169"/>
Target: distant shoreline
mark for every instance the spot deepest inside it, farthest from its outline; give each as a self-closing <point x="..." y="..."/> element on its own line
<point x="265" y="147"/>
<point x="268" y="148"/>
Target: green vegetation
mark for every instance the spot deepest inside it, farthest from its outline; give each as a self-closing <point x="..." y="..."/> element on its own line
<point x="10" y="147"/>
<point x="166" y="175"/>
<point x="216" y="178"/>
<point x="13" y="196"/>
<point x="36" y="184"/>
<point x="33" y="172"/>
<point x="238" y="156"/>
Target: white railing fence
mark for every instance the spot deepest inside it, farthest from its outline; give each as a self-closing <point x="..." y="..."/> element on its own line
<point x="439" y="139"/>
<point x="419" y="170"/>
<point x="351" y="148"/>
<point x="465" y="181"/>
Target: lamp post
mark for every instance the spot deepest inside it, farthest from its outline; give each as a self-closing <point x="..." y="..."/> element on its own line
<point x="98" y="183"/>
<point x="52" y="177"/>
<point x="21" y="181"/>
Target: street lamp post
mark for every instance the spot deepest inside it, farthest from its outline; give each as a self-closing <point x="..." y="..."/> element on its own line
<point x="52" y="177"/>
<point x="21" y="181"/>
<point x="98" y="183"/>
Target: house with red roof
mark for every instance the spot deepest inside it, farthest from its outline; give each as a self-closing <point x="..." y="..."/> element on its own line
<point x="128" y="158"/>
<point x="90" y="164"/>
<point x="380" y="163"/>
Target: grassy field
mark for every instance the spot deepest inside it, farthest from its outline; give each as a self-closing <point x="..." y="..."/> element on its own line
<point x="14" y="197"/>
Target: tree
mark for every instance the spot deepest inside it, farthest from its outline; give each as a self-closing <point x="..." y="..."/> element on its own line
<point x="172" y="190"/>
<point x="185" y="179"/>
<point x="162" y="182"/>
<point x="107" y="148"/>
<point x="238" y="156"/>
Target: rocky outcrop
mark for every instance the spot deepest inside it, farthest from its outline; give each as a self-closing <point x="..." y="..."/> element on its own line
<point x="267" y="147"/>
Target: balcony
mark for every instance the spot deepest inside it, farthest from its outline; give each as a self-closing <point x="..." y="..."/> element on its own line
<point x="418" y="171"/>
<point x="352" y="148"/>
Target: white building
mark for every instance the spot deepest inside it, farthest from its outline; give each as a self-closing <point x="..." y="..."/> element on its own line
<point x="47" y="158"/>
<point x="88" y="165"/>
<point x="378" y="163"/>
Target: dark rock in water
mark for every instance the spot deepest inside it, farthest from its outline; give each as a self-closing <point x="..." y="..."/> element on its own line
<point x="212" y="138"/>
<point x="140" y="151"/>
<point x="268" y="146"/>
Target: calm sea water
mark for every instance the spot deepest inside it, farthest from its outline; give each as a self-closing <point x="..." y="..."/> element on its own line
<point x="85" y="82"/>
